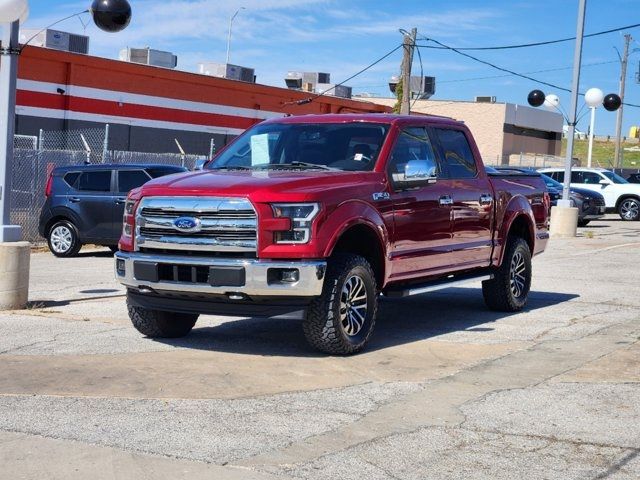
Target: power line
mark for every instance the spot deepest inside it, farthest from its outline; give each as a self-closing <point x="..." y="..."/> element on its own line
<point x="536" y="44"/>
<point x="304" y="101"/>
<point x="502" y="69"/>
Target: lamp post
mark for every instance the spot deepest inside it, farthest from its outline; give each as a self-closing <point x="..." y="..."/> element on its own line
<point x="592" y="98"/>
<point x="229" y="34"/>
<point x="108" y="15"/>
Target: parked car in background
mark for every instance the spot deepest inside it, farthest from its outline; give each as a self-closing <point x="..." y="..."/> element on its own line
<point x="591" y="205"/>
<point x="85" y="203"/>
<point x="634" y="178"/>
<point x="620" y="196"/>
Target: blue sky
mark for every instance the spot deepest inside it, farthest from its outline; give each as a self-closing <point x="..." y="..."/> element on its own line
<point x="342" y="37"/>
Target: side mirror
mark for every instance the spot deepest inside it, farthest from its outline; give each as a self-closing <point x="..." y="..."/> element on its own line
<point x="200" y="163"/>
<point x="417" y="173"/>
<point x="604" y="182"/>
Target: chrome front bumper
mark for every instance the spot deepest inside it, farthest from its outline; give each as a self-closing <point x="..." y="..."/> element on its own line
<point x="259" y="278"/>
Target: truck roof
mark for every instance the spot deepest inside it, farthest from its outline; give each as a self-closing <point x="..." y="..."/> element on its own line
<point x="366" y="117"/>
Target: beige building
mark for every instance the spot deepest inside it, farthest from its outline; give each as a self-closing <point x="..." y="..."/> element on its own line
<point x="501" y="130"/>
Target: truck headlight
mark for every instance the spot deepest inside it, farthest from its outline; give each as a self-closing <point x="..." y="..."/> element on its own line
<point x="301" y="216"/>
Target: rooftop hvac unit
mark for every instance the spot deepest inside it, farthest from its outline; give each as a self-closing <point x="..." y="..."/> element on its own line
<point x="316" y="77"/>
<point x="57" y="40"/>
<point x="293" y="80"/>
<point x="422" y="87"/>
<point x="485" y="99"/>
<point x="147" y="56"/>
<point x="226" y="70"/>
<point x="341" y="91"/>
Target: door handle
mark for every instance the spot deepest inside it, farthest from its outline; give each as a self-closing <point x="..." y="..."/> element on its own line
<point x="445" y="200"/>
<point x="486" y="199"/>
<point x="120" y="201"/>
<point x="74" y="199"/>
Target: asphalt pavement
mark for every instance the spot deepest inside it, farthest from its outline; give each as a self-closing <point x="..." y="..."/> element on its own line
<point x="447" y="388"/>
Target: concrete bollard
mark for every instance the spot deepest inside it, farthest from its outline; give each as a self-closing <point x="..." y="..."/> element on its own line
<point x="564" y="222"/>
<point x="14" y="275"/>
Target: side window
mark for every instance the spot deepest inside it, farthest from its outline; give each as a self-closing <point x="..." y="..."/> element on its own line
<point x="71" y="177"/>
<point x="458" y="158"/>
<point x="130" y="179"/>
<point x="591" y="178"/>
<point x="95" y="181"/>
<point x="412" y="144"/>
<point x="577" y="177"/>
<point x="557" y="176"/>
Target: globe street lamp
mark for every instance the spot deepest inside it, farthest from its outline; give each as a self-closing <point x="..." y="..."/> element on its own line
<point x="108" y="15"/>
<point x="592" y="98"/>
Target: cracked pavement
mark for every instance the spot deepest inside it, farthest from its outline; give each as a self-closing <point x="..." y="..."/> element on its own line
<point x="447" y="389"/>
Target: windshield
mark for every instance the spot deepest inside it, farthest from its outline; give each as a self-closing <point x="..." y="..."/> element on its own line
<point x="614" y="177"/>
<point x="324" y="146"/>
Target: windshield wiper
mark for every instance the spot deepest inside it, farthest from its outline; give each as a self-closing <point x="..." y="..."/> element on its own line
<point x="231" y="167"/>
<point x="308" y="165"/>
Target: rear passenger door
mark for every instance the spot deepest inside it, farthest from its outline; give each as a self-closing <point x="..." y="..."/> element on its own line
<point x="92" y="200"/>
<point x="126" y="180"/>
<point x="472" y="195"/>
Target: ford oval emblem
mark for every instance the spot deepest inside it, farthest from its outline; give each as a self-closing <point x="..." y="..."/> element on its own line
<point x="187" y="224"/>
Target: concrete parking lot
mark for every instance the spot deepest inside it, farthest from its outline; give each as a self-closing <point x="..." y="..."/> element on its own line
<point x="447" y="389"/>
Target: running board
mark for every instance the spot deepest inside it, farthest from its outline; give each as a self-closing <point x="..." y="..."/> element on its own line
<point x="447" y="282"/>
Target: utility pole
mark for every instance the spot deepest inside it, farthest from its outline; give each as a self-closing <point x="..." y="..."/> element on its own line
<point x="408" y="43"/>
<point x="623" y="76"/>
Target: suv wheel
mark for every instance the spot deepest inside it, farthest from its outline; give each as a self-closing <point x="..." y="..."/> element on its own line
<point x="341" y="320"/>
<point x="629" y="209"/>
<point x="509" y="288"/>
<point x="63" y="239"/>
<point x="158" y="324"/>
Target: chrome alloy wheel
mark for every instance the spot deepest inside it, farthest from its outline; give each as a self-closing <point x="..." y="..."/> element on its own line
<point x="353" y="305"/>
<point x="517" y="279"/>
<point x="61" y="239"/>
<point x="629" y="209"/>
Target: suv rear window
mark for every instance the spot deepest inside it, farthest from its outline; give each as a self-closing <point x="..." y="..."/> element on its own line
<point x="99" y="181"/>
<point x="156" y="172"/>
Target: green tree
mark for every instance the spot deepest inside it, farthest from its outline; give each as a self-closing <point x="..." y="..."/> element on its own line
<point x="397" y="106"/>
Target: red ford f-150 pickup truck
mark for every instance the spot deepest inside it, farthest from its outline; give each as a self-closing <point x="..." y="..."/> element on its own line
<point x="317" y="216"/>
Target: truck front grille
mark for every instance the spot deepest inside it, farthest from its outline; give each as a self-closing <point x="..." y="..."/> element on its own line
<point x="219" y="224"/>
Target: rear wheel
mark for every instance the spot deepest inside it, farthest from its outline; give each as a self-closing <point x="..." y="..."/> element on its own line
<point x="341" y="320"/>
<point x="509" y="288"/>
<point x="629" y="209"/>
<point x="63" y="239"/>
<point x="158" y="324"/>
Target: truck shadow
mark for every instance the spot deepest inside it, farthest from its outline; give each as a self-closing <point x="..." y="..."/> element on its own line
<point x="400" y="321"/>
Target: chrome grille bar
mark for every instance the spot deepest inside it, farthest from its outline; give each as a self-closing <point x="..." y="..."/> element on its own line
<point x="223" y="224"/>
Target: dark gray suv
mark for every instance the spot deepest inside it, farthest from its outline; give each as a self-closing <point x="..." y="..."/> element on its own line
<point x="85" y="203"/>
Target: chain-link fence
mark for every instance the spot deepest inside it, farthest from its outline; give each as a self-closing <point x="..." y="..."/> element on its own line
<point x="36" y="157"/>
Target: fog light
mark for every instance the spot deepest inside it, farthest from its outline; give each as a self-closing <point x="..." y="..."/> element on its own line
<point x="290" y="276"/>
<point x="120" y="267"/>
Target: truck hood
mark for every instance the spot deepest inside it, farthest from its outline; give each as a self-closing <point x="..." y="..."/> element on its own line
<point x="265" y="186"/>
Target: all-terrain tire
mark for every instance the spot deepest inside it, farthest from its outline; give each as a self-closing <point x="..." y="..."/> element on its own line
<point x="509" y="288"/>
<point x="63" y="239"/>
<point x="158" y="324"/>
<point x="342" y="319"/>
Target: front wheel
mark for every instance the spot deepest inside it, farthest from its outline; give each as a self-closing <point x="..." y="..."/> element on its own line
<point x="159" y="324"/>
<point x="341" y="320"/>
<point x="509" y="288"/>
<point x="629" y="209"/>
